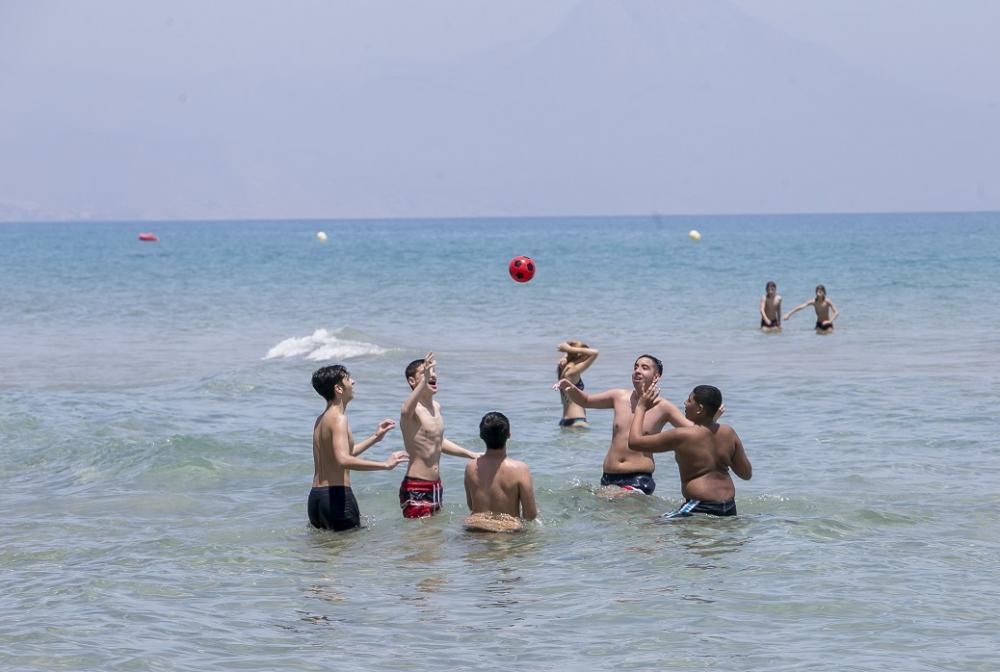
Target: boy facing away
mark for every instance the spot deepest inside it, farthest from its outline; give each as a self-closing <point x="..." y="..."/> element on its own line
<point x="826" y="312"/>
<point x="770" y="308"/>
<point x="705" y="452"/>
<point x="332" y="505"/>
<point x="421" y="492"/>
<point x="498" y="490"/>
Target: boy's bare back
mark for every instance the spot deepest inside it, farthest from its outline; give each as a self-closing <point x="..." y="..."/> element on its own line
<point x="500" y="486"/>
<point x="704" y="457"/>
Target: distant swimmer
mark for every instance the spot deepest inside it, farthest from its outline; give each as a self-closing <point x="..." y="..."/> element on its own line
<point x="332" y="505"/>
<point x="576" y="359"/>
<point x="623" y="468"/>
<point x="498" y="490"/>
<point x="770" y="308"/>
<point x="826" y="312"/>
<point x="705" y="451"/>
<point x="421" y="492"/>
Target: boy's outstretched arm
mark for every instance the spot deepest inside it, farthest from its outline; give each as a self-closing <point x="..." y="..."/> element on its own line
<point x="604" y="399"/>
<point x="410" y="405"/>
<point x="452" y="448"/>
<point x="798" y="308"/>
<point x="652" y="443"/>
<point x="380" y="432"/>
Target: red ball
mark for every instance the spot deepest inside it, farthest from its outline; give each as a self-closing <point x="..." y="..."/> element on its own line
<point x="522" y="268"/>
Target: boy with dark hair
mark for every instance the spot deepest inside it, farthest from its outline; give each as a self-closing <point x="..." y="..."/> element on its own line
<point x="705" y="451"/>
<point x="770" y="308"/>
<point x="421" y="492"/>
<point x="332" y="505"/>
<point x="826" y="312"/>
<point x="498" y="490"/>
<point x="625" y="469"/>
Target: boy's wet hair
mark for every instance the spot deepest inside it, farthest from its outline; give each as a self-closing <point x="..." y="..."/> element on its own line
<point x="770" y="284"/>
<point x="494" y="429"/>
<point x="709" y="397"/>
<point x="326" y="378"/>
<point x="658" y="363"/>
<point x="819" y="287"/>
<point x="411" y="368"/>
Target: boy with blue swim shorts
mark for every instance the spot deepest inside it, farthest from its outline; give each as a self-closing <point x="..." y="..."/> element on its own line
<point x="705" y="452"/>
<point x="628" y="470"/>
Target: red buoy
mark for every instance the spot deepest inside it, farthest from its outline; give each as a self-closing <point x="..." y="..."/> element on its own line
<point x="148" y="237"/>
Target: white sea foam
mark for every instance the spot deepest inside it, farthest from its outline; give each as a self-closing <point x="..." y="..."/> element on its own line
<point x="323" y="345"/>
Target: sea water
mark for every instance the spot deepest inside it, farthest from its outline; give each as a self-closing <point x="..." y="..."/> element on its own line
<point x="156" y="416"/>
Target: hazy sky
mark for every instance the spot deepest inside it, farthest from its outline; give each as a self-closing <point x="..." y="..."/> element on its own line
<point x="117" y="109"/>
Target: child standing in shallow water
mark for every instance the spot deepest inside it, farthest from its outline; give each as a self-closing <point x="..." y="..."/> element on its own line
<point x="770" y="308"/>
<point x="577" y="358"/>
<point x="826" y="312"/>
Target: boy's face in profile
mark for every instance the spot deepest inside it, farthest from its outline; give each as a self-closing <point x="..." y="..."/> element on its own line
<point x="691" y="408"/>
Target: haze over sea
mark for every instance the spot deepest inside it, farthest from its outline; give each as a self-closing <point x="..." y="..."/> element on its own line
<point x="156" y="414"/>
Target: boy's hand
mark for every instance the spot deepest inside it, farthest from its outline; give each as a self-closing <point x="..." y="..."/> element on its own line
<point x="383" y="428"/>
<point x="396" y="458"/>
<point x="649" y="396"/>
<point x="563" y="385"/>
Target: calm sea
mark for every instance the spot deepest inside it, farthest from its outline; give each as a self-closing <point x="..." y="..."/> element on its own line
<point x="156" y="414"/>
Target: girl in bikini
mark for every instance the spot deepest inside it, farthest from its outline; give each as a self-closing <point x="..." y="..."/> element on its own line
<point x="577" y="358"/>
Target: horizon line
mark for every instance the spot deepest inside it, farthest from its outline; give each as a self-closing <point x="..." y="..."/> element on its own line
<point x="430" y="218"/>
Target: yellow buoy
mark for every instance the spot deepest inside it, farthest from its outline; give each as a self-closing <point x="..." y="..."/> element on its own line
<point x="694" y="235"/>
<point x="321" y="236"/>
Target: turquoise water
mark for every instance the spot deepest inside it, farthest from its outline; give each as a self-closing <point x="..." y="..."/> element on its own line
<point x="156" y="414"/>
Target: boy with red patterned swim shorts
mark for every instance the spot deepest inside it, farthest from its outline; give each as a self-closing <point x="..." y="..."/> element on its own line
<point x="421" y="492"/>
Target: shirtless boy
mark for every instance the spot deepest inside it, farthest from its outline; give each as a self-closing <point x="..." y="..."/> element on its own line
<point x="770" y="308"/>
<point x="332" y="505"/>
<point x="624" y="468"/>
<point x="498" y="490"/>
<point x="826" y="312"/>
<point x="705" y="452"/>
<point x="421" y="493"/>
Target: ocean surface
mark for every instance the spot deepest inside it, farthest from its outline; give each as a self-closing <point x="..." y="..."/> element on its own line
<point x="156" y="415"/>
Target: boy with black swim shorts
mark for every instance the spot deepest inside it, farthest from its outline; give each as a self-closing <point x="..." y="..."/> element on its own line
<point x="705" y="452"/>
<point x="826" y="312"/>
<point x="770" y="308"/>
<point x="332" y="505"/>
<point x="629" y="470"/>
<point x="421" y="493"/>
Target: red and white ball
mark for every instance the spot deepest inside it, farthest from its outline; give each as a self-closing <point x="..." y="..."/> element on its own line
<point x="522" y="268"/>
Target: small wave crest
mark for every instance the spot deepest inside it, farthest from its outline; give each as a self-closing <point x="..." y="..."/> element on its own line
<point x="323" y="345"/>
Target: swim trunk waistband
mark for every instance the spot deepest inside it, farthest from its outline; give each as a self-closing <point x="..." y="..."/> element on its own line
<point x="693" y="506"/>
<point x="572" y="422"/>
<point x="639" y="481"/>
<point x="824" y="327"/>
<point x="420" y="498"/>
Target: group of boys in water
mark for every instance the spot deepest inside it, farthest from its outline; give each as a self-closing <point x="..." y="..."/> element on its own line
<point x="499" y="490"/>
